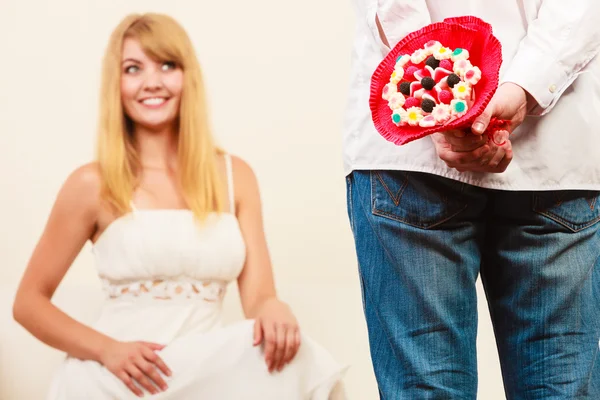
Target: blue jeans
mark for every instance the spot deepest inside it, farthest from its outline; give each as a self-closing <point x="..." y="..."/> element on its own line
<point x="422" y="241"/>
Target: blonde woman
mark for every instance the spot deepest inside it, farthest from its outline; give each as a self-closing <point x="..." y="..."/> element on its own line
<point x="173" y="220"/>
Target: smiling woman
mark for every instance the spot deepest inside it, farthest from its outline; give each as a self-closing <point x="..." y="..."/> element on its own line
<point x="151" y="90"/>
<point x="173" y="220"/>
<point x="148" y="65"/>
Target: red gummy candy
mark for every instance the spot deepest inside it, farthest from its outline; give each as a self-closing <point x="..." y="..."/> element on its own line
<point x="441" y="73"/>
<point x="445" y="96"/>
<point x="446" y="64"/>
<point x="411" y="102"/>
<point x="410" y="72"/>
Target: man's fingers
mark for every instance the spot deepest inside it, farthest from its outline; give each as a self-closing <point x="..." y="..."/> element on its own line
<point x="481" y="122"/>
<point x="505" y="161"/>
<point x="464" y="159"/>
<point x="499" y="162"/>
<point x="503" y="158"/>
<point x="501" y="136"/>
<point x="467" y="143"/>
<point x="455" y="133"/>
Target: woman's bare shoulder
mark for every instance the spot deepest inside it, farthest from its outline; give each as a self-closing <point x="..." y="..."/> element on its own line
<point x="81" y="190"/>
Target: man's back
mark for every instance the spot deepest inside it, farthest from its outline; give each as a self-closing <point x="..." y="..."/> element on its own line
<point x="560" y="150"/>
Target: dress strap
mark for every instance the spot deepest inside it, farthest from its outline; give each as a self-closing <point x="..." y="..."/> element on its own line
<point x="230" y="189"/>
<point x="133" y="207"/>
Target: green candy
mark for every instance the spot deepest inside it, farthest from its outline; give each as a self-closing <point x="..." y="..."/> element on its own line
<point x="457" y="51"/>
<point x="396" y="118"/>
<point x="459" y="107"/>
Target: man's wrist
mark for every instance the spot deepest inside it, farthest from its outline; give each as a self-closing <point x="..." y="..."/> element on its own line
<point x="530" y="102"/>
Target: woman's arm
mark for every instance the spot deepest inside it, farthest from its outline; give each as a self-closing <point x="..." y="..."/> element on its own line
<point x="256" y="282"/>
<point x="71" y="223"/>
<point x="275" y="323"/>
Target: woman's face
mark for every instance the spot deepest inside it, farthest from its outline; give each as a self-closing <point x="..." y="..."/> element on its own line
<point x="150" y="90"/>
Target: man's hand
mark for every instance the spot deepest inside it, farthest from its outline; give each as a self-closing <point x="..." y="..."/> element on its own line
<point x="510" y="103"/>
<point x="472" y="151"/>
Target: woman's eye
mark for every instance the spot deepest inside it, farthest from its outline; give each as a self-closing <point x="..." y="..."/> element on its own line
<point x="169" y="65"/>
<point x="131" y="69"/>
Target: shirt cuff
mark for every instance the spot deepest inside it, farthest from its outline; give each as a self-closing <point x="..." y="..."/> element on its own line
<point x="541" y="76"/>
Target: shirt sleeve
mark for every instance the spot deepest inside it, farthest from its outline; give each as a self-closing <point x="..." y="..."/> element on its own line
<point x="397" y="18"/>
<point x="563" y="39"/>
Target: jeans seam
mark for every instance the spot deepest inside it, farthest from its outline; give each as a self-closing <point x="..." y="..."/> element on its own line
<point x="575" y="228"/>
<point x="595" y="359"/>
<point x="400" y="192"/>
<point x="592" y="203"/>
<point x="381" y="213"/>
<point x="390" y="342"/>
<point x="566" y="223"/>
<point x="349" y="200"/>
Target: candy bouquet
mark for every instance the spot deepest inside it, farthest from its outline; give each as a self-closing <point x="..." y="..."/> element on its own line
<point x="438" y="78"/>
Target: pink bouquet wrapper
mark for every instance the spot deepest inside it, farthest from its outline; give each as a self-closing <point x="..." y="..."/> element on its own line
<point x="485" y="52"/>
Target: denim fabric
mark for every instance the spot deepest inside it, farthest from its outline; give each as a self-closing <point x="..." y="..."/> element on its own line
<point x="422" y="241"/>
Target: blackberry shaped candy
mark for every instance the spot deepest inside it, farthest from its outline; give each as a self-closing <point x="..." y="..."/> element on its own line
<point x="427" y="83"/>
<point x="453" y="79"/>
<point x="432" y="62"/>
<point x="404" y="88"/>
<point x="427" y="105"/>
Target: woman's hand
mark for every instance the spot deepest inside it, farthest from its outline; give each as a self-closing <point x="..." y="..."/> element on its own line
<point x="277" y="328"/>
<point x="136" y="361"/>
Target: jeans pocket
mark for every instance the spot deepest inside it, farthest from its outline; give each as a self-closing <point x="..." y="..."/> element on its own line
<point x="417" y="199"/>
<point x="576" y="210"/>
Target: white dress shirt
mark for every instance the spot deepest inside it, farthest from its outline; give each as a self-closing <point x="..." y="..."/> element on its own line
<point x="549" y="48"/>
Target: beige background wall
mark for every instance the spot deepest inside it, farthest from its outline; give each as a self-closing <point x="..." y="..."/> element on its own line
<point x="289" y="62"/>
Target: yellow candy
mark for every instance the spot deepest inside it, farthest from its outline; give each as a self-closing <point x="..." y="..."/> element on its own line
<point x="395" y="78"/>
<point x="461" y="91"/>
<point x="414" y="114"/>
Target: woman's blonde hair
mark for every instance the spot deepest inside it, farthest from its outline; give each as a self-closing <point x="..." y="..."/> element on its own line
<point x="162" y="39"/>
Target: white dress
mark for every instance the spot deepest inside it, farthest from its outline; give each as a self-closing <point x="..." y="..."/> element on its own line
<point x="165" y="278"/>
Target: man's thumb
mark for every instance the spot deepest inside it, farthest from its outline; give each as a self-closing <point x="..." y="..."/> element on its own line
<point x="481" y="122"/>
